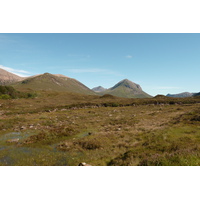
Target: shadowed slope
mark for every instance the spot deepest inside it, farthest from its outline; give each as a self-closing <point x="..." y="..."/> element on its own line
<point x="196" y="94"/>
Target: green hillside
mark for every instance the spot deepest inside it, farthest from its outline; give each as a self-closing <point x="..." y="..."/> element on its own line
<point x="50" y="82"/>
<point x="128" y="89"/>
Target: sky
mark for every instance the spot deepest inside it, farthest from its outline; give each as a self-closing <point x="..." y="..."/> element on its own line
<point x="161" y="63"/>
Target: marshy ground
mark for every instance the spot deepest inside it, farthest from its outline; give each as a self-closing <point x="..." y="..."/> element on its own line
<point x="59" y="129"/>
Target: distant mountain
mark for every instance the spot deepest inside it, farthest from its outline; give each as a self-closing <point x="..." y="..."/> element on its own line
<point x="99" y="89"/>
<point x="183" y="94"/>
<point x="8" y="78"/>
<point x="127" y="89"/>
<point x="196" y="94"/>
<point x="52" y="82"/>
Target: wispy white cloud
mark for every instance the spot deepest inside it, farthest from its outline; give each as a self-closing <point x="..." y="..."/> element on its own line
<point x="129" y="56"/>
<point x="18" y="72"/>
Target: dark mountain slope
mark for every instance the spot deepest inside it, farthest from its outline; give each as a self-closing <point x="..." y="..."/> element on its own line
<point x="196" y="94"/>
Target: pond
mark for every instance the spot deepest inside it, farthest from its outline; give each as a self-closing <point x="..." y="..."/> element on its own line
<point x="13" y="153"/>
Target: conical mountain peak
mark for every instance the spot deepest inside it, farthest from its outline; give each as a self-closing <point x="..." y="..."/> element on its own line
<point x="127" y="83"/>
<point x="128" y="89"/>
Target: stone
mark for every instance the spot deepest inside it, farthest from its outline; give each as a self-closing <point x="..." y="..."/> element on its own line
<point x="16" y="140"/>
<point x="84" y="164"/>
<point x="23" y="127"/>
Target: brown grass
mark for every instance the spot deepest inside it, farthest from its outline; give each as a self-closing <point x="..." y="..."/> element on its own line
<point x="69" y="129"/>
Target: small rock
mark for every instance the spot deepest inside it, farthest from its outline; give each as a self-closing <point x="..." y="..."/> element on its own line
<point x="84" y="164"/>
<point x="13" y="140"/>
<point x="23" y="127"/>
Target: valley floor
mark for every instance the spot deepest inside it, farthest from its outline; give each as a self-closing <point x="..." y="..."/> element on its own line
<point x="151" y="134"/>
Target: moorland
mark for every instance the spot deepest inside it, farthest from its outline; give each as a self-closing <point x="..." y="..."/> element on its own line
<point x="50" y="128"/>
<point x="54" y="120"/>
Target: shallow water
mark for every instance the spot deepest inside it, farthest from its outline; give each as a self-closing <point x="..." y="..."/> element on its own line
<point x="15" y="135"/>
<point x="12" y="153"/>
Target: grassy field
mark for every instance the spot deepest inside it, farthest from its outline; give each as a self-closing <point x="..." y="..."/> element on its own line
<point x="65" y="129"/>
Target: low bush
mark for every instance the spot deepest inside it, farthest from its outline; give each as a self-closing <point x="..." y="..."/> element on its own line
<point x="8" y="92"/>
<point x="89" y="144"/>
<point x="5" y="96"/>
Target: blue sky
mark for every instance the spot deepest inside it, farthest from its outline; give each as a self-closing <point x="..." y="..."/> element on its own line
<point x="160" y="63"/>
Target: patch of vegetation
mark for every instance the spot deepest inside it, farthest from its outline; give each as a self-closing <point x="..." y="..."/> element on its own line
<point x="175" y="146"/>
<point x="107" y="96"/>
<point x="8" y="92"/>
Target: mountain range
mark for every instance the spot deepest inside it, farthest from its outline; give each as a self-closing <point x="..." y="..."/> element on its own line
<point x="59" y="82"/>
